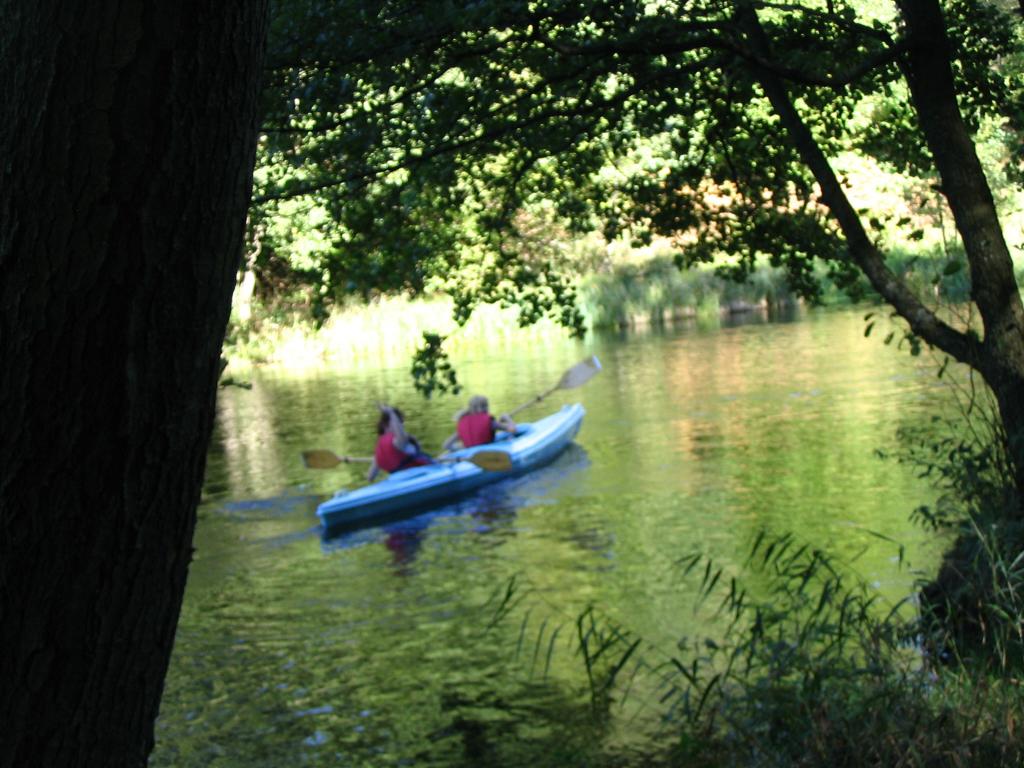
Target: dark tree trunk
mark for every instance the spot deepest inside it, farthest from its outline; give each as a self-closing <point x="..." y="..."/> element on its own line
<point x="127" y="136"/>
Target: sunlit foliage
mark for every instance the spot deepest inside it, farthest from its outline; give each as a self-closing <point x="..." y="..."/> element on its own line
<point x="422" y="131"/>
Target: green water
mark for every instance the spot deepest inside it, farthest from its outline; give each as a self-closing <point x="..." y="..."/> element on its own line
<point x="385" y="647"/>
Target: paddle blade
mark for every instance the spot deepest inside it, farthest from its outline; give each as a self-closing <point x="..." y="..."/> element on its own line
<point x="492" y="461"/>
<point x="580" y="373"/>
<point x="320" y="459"/>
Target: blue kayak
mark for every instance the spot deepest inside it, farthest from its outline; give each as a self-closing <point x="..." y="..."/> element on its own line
<point x="534" y="445"/>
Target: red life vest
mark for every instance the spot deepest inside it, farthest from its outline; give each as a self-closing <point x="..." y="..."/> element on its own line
<point x="476" y="429"/>
<point x="391" y="459"/>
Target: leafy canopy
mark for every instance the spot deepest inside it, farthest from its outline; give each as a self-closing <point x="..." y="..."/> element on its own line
<point x="424" y="127"/>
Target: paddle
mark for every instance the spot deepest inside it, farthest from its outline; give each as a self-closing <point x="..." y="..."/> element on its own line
<point x="576" y="376"/>
<point x="492" y="461"/>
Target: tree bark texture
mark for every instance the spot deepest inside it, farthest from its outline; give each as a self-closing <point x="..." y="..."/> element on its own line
<point x="127" y="137"/>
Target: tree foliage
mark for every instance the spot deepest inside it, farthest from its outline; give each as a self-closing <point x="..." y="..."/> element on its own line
<point x="408" y="119"/>
<point x="710" y="123"/>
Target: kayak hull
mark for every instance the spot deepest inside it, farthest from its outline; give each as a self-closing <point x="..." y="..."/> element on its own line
<point x="534" y="445"/>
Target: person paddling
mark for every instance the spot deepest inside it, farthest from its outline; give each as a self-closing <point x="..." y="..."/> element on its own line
<point x="476" y="426"/>
<point x="396" y="449"/>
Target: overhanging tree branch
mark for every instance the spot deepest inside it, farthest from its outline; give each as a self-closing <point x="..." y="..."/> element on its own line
<point x="922" y="320"/>
<point x="964" y="184"/>
<point x="674" y="46"/>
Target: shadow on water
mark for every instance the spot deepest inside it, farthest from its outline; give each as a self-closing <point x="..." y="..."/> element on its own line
<point x="487" y="507"/>
<point x="249" y="510"/>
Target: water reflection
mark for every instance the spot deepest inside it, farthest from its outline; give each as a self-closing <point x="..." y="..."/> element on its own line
<point x="254" y="510"/>
<point x="404" y="541"/>
<point x="489" y="507"/>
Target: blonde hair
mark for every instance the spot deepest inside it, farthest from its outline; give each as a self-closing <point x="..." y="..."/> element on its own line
<point x="477" y="404"/>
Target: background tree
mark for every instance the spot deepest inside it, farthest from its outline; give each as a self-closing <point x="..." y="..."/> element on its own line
<point x="128" y="134"/>
<point x="713" y="124"/>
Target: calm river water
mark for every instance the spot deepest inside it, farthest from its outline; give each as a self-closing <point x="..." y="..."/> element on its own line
<point x="390" y="646"/>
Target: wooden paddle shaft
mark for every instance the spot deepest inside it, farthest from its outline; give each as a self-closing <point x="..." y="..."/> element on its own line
<point x="534" y="401"/>
<point x="579" y="374"/>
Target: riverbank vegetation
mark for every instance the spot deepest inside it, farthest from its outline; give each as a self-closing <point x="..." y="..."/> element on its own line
<point x="281" y="311"/>
<point x="821" y="674"/>
<point x="645" y="288"/>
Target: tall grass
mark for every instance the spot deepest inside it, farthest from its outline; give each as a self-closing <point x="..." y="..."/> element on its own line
<point x="656" y="290"/>
<point x="384" y="332"/>
<point x="820" y="674"/>
<point x="387" y="330"/>
<point x="973" y="611"/>
<point x="618" y="290"/>
<point x="814" y="672"/>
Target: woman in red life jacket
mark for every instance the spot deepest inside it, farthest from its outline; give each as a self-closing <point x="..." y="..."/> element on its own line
<point x="396" y="449"/>
<point x="476" y="426"/>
